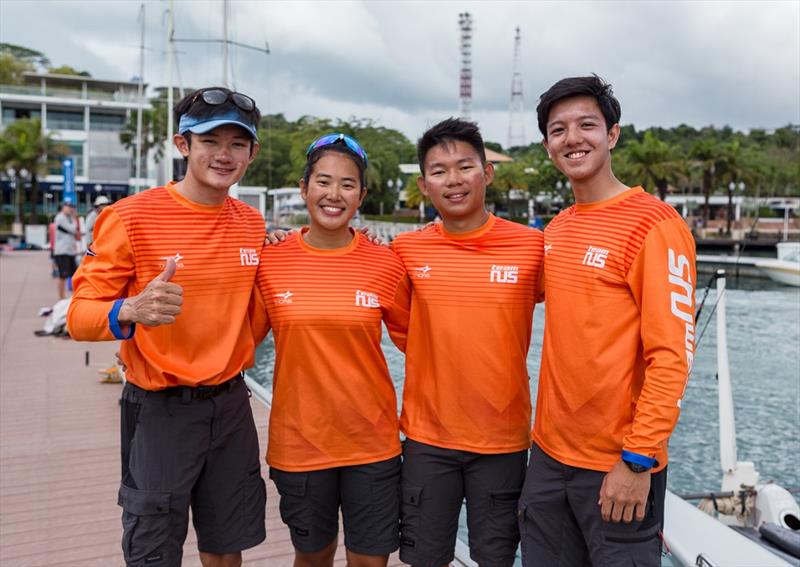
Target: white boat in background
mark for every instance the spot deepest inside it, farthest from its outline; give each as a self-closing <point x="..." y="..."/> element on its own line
<point x="786" y="268"/>
<point x="747" y="523"/>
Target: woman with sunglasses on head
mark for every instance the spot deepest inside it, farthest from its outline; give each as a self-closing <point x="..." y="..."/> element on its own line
<point x="333" y="433"/>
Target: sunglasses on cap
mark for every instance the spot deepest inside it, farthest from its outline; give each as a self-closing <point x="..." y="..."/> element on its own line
<point x="338" y="138"/>
<point x="215" y="97"/>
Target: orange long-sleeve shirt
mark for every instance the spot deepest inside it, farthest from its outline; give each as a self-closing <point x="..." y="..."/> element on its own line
<point x="333" y="402"/>
<point x="216" y="249"/>
<point x="472" y="305"/>
<point x="619" y="330"/>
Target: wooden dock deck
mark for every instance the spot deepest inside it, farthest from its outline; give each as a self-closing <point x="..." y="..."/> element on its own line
<point x="59" y="441"/>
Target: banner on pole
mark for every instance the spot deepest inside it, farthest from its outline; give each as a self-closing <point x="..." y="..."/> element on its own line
<point x="68" y="171"/>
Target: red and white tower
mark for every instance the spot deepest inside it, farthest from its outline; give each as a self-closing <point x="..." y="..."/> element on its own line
<point x="516" y="106"/>
<point x="465" y="90"/>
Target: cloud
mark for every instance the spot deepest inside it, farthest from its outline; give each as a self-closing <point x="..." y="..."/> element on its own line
<point x="699" y="62"/>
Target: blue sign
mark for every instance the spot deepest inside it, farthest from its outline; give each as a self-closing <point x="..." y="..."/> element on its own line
<point x="68" y="170"/>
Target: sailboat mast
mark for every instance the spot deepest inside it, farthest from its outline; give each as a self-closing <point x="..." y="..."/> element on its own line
<point x="140" y="95"/>
<point x="170" y="102"/>
<point x="225" y="43"/>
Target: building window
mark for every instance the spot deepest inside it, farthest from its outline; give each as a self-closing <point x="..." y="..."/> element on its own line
<point x="107" y="122"/>
<point x="11" y="114"/>
<point x="64" y="120"/>
<point x="73" y="150"/>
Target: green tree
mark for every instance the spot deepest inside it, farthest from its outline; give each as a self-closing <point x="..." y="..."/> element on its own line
<point x="25" y="148"/>
<point x="16" y="60"/>
<point x="708" y="160"/>
<point x="68" y="70"/>
<point x="653" y="163"/>
<point x="12" y="69"/>
<point x="154" y="131"/>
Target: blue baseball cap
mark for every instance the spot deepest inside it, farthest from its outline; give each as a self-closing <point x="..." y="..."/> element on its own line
<point x="204" y="125"/>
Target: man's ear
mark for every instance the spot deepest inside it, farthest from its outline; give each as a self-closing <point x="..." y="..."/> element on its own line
<point x="422" y="186"/>
<point x="488" y="173"/>
<point x="182" y="144"/>
<point x="613" y="136"/>
<point x="254" y="151"/>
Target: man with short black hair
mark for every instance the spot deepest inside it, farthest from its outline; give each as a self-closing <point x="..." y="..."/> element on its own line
<point x="171" y="274"/>
<point x="466" y="399"/>
<point x="618" y="347"/>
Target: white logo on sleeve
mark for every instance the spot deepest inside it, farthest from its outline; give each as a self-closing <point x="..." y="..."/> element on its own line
<point x="367" y="299"/>
<point x="284" y="298"/>
<point x="595" y="257"/>
<point x="547" y="248"/>
<point x="504" y="274"/>
<point x="422" y="272"/>
<point x="178" y="260"/>
<point x="680" y="299"/>
<point x="248" y="256"/>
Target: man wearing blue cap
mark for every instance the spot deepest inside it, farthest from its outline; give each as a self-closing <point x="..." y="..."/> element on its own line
<point x="170" y="273"/>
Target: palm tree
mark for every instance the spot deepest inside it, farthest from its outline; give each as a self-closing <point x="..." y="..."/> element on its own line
<point x="653" y="163"/>
<point x="740" y="168"/>
<point x="24" y="147"/>
<point x="708" y="158"/>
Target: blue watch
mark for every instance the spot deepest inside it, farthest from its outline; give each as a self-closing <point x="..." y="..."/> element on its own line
<point x="637" y="463"/>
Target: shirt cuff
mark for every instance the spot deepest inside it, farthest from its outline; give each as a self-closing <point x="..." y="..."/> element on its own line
<point x="638" y="459"/>
<point x="113" y="322"/>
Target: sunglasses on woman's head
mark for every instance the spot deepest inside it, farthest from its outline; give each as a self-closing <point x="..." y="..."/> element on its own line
<point x="338" y="138"/>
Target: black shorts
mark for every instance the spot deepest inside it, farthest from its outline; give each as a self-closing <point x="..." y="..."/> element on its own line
<point x="561" y="524"/>
<point x="369" y="496"/>
<point x="180" y="450"/>
<point x="66" y="265"/>
<point x="436" y="481"/>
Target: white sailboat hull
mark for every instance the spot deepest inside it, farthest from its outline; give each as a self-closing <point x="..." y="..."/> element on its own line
<point x="781" y="271"/>
<point x="690" y="533"/>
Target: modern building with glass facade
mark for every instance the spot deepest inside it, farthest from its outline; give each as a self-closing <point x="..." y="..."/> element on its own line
<point x="85" y="117"/>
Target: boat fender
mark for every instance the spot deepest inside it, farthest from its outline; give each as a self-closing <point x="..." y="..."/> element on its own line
<point x="784" y="538"/>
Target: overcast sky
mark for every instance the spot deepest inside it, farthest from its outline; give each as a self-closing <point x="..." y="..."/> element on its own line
<point x="717" y="63"/>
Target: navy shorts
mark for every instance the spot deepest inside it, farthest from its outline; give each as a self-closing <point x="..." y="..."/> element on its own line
<point x="369" y="497"/>
<point x="435" y="483"/>
<point x="561" y="524"/>
<point x="66" y="265"/>
<point x="182" y="448"/>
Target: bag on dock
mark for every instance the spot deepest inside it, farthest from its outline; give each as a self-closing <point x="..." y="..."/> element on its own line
<point x="56" y="322"/>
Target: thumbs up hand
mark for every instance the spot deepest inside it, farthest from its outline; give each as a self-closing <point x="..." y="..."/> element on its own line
<point x="158" y="303"/>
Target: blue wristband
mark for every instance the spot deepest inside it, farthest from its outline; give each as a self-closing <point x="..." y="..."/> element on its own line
<point x="113" y="322"/>
<point x="638" y="459"/>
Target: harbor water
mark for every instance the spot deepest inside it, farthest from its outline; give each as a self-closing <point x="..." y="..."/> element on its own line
<point x="764" y="350"/>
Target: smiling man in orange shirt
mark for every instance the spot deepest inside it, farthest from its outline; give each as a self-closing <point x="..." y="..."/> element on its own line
<point x="171" y="273"/>
<point x="466" y="399"/>
<point x="618" y="347"/>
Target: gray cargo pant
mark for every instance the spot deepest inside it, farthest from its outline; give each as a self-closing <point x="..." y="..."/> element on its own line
<point x="182" y="448"/>
<point x="561" y="526"/>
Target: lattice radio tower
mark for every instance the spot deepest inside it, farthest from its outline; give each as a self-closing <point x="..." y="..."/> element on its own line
<point x="465" y="90"/>
<point x="516" y="105"/>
